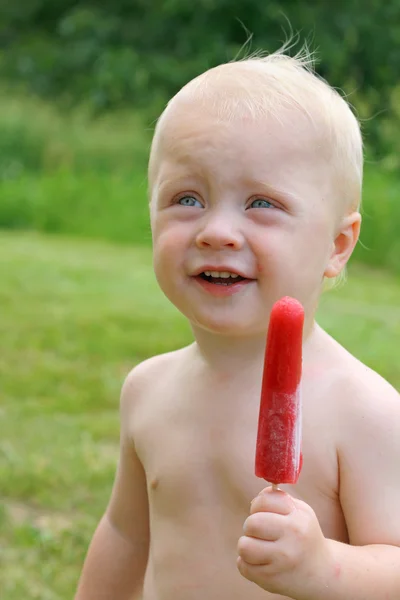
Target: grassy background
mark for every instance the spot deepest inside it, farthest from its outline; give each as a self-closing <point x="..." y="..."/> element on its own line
<point x="76" y="317"/>
<point x="65" y="173"/>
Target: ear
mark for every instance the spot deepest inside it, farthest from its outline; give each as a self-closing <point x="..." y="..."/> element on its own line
<point x="343" y="245"/>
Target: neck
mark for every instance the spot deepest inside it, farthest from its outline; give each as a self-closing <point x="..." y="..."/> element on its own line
<point x="229" y="354"/>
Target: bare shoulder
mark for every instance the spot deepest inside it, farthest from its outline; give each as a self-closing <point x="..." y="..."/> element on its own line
<point x="149" y="376"/>
<point x="357" y="389"/>
<point x="367" y="431"/>
<point x="370" y="411"/>
<point x="365" y="395"/>
<point x="145" y="371"/>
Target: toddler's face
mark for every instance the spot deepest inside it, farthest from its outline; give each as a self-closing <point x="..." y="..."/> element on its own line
<point x="248" y="198"/>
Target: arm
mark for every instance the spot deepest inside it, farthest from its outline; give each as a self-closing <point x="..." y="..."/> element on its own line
<point x="369" y="458"/>
<point x="283" y="549"/>
<point x="116" y="562"/>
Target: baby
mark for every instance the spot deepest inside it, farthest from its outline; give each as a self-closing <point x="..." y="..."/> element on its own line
<point x="255" y="178"/>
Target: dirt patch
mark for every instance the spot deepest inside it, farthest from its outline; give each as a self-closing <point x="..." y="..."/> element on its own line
<point x="21" y="513"/>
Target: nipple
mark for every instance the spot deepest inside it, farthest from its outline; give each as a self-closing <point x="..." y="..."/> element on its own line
<point x="154" y="483"/>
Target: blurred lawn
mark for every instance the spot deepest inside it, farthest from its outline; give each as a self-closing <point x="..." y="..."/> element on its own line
<point x="75" y="317"/>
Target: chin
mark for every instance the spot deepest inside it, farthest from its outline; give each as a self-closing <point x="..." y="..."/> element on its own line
<point x="225" y="326"/>
<point x="233" y="319"/>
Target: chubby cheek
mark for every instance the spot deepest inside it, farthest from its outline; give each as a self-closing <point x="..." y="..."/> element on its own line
<point x="314" y="252"/>
<point x="295" y="262"/>
<point x="169" y="251"/>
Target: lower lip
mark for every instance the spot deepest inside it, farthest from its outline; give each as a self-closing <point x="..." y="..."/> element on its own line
<point x="219" y="290"/>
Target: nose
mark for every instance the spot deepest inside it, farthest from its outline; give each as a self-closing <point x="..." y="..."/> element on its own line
<point x="218" y="232"/>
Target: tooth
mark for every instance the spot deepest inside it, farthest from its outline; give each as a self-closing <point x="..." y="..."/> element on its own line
<point x="221" y="274"/>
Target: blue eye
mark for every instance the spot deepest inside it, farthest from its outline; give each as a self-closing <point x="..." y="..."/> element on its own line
<point x="190" y="201"/>
<point x="260" y="203"/>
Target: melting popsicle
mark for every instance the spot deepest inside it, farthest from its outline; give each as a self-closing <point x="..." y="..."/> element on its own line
<point x="278" y="450"/>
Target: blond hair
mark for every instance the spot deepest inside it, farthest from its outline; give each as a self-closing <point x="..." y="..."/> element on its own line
<point x="267" y="85"/>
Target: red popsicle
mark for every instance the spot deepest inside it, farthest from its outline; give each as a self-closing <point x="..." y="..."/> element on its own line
<point x="278" y="451"/>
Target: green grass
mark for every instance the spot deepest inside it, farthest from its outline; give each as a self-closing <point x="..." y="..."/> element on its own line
<point x="72" y="174"/>
<point x="103" y="205"/>
<point x="75" y="317"/>
<point x="67" y="173"/>
<point x="379" y="240"/>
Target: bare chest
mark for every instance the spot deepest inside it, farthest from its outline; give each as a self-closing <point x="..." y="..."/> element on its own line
<point x="198" y="451"/>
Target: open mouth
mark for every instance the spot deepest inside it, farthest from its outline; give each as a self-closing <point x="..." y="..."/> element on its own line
<point x="222" y="278"/>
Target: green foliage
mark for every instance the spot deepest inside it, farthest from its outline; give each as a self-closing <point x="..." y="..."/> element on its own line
<point x="103" y="205"/>
<point x="38" y="136"/>
<point x="379" y="241"/>
<point x="70" y="174"/>
<point x="137" y="54"/>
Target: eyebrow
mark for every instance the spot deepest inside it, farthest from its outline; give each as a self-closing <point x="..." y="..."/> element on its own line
<point x="272" y="189"/>
<point x="182" y="178"/>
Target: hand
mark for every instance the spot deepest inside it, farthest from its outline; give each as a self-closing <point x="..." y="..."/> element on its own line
<point x="283" y="548"/>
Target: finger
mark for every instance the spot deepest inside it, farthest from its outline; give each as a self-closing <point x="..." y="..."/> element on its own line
<point x="254" y="551"/>
<point x="254" y="573"/>
<point x="275" y="501"/>
<point x="265" y="526"/>
<point x="244" y="568"/>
